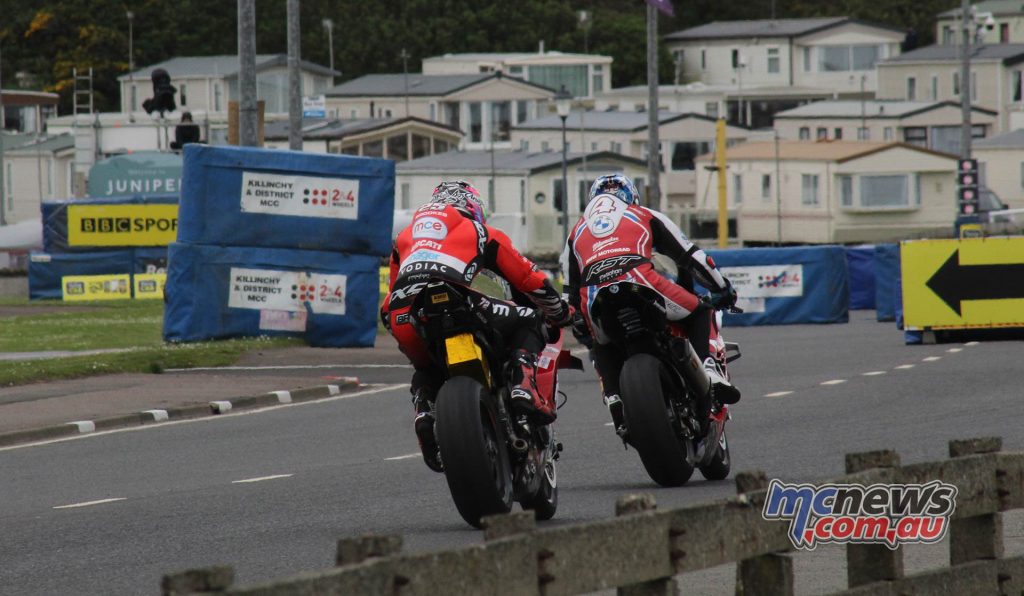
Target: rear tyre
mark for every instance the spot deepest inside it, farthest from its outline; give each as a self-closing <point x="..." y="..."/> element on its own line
<point x="719" y="466"/>
<point x="544" y="502"/>
<point x="473" y="450"/>
<point x="645" y="388"/>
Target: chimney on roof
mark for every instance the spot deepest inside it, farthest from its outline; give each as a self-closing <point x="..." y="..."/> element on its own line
<point x="540" y="49"/>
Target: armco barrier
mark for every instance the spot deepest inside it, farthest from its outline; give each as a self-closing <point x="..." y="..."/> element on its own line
<point x="82" y="225"/>
<point x="642" y="549"/>
<point x="237" y="196"/>
<point x="860" y="263"/>
<point x="887" y="275"/>
<point x="784" y="286"/>
<point x="330" y="299"/>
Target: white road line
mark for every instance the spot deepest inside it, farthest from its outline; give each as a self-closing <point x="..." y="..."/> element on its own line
<point x="905" y="366"/>
<point x="931" y="359"/>
<point x="398" y="457"/>
<point x="954" y="350"/>
<point x="261" y="478"/>
<point x="971" y="343"/>
<point x="834" y="382"/>
<point x="287" y="367"/>
<point x="609" y="424"/>
<point x="371" y="389"/>
<point x="777" y="394"/>
<point x="89" y="503"/>
<point x="873" y="373"/>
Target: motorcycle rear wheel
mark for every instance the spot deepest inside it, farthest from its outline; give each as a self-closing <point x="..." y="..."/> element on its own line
<point x="645" y="386"/>
<point x="473" y="449"/>
<point x="721" y="463"/>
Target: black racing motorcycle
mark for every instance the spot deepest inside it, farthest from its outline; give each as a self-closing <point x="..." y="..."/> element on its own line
<point x="492" y="456"/>
<point x="671" y="417"/>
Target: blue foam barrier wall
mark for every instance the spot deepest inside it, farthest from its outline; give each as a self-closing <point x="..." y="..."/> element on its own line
<point x="860" y="262"/>
<point x="241" y="196"/>
<point x="785" y="286"/>
<point x="45" y="270"/>
<point x="329" y="299"/>
<point x="55" y="219"/>
<point x="887" y="275"/>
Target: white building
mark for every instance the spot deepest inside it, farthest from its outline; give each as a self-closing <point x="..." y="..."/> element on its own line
<point x="35" y="171"/>
<point x="208" y="83"/>
<point x="931" y="124"/>
<point x="837" y="53"/>
<point x="836" y="191"/>
<point x="1007" y="22"/>
<point x="398" y="139"/>
<point x="522" y="188"/>
<point x="26" y="111"/>
<point x="583" y="75"/>
<point x="932" y="73"/>
<point x="483" y="106"/>
<point x="1001" y="164"/>
<point x="682" y="136"/>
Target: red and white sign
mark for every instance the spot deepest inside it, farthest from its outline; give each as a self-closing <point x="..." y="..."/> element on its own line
<point x="306" y="196"/>
<point x="264" y="289"/>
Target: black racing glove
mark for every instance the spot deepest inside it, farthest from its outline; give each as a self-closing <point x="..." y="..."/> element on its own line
<point x="385" y="319"/>
<point x="580" y="330"/>
<point x="726" y="298"/>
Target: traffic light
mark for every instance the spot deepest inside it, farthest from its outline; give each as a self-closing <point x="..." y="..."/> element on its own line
<point x="967" y="183"/>
<point x="163" y="93"/>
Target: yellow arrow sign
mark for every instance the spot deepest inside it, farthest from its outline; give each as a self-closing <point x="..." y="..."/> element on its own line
<point x="965" y="283"/>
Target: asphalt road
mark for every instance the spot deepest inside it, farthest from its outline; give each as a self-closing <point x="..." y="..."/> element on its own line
<point x="324" y="470"/>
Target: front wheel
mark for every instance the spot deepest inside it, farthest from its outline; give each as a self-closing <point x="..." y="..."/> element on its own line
<point x="645" y="387"/>
<point x="473" y="450"/>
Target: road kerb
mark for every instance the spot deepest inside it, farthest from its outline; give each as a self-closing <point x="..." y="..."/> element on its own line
<point x="155" y="417"/>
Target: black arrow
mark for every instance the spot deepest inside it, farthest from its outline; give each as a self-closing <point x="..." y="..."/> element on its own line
<point x="954" y="283"/>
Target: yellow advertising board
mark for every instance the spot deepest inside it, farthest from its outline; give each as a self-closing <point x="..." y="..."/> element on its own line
<point x="76" y="288"/>
<point x="965" y="283"/>
<point x="122" y="225"/>
<point x="385" y="281"/>
<point x="149" y="285"/>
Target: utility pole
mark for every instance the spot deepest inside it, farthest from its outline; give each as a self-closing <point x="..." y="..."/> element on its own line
<point x="965" y="81"/>
<point x="247" y="105"/>
<point x="131" y="65"/>
<point x="405" y="82"/>
<point x="653" y="153"/>
<point x="3" y="188"/>
<point x="329" y="25"/>
<point x="294" y="78"/>
<point x="778" y="192"/>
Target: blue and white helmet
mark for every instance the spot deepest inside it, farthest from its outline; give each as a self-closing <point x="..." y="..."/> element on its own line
<point x="617" y="185"/>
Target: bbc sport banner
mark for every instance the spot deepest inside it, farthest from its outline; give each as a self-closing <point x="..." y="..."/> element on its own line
<point x="84" y="225"/>
<point x="213" y="292"/>
<point x="241" y="196"/>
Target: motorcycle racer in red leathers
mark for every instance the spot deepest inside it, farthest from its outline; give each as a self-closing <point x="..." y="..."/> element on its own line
<point x="614" y="241"/>
<point x="449" y="239"/>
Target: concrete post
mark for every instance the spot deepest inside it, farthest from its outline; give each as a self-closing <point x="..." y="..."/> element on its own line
<point x="869" y="563"/>
<point x="662" y="586"/>
<point x="979" y="537"/>
<point x="197" y="581"/>
<point x="508" y="524"/>
<point x="764" y="575"/>
<point x="357" y="550"/>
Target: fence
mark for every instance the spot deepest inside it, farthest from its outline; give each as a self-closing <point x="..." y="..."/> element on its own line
<point x="641" y="549"/>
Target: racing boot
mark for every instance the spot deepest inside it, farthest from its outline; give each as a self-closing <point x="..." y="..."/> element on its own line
<point x="525" y="397"/>
<point x="424" y="427"/>
<point x="721" y="389"/>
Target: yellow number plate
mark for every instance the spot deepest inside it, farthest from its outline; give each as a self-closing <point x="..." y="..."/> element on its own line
<point x="438" y="298"/>
<point x="462" y="348"/>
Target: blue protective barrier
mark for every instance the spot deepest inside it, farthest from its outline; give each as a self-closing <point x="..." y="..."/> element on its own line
<point x="860" y="262"/>
<point x="887" y="275"/>
<point x="220" y="292"/>
<point x="150" y="260"/>
<point x="240" y="196"/>
<point x="45" y="270"/>
<point x="784" y="286"/>
<point x="55" y="218"/>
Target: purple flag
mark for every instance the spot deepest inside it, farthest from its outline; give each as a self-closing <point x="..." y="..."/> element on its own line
<point x="664" y="6"/>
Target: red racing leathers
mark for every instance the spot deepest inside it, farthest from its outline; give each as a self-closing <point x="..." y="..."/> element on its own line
<point x="614" y="242"/>
<point x="443" y="243"/>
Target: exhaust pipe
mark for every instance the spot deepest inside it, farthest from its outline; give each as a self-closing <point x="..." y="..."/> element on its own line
<point x="520" y="444"/>
<point x="693" y="369"/>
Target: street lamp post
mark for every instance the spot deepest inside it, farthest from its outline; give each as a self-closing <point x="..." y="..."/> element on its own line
<point x="131" y="65"/>
<point x="329" y="25"/>
<point x="563" y="103"/>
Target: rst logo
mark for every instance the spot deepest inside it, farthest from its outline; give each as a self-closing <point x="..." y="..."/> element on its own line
<point x="429" y="227"/>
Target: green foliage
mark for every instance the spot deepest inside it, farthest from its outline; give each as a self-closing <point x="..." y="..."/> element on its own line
<point x="48" y="38"/>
